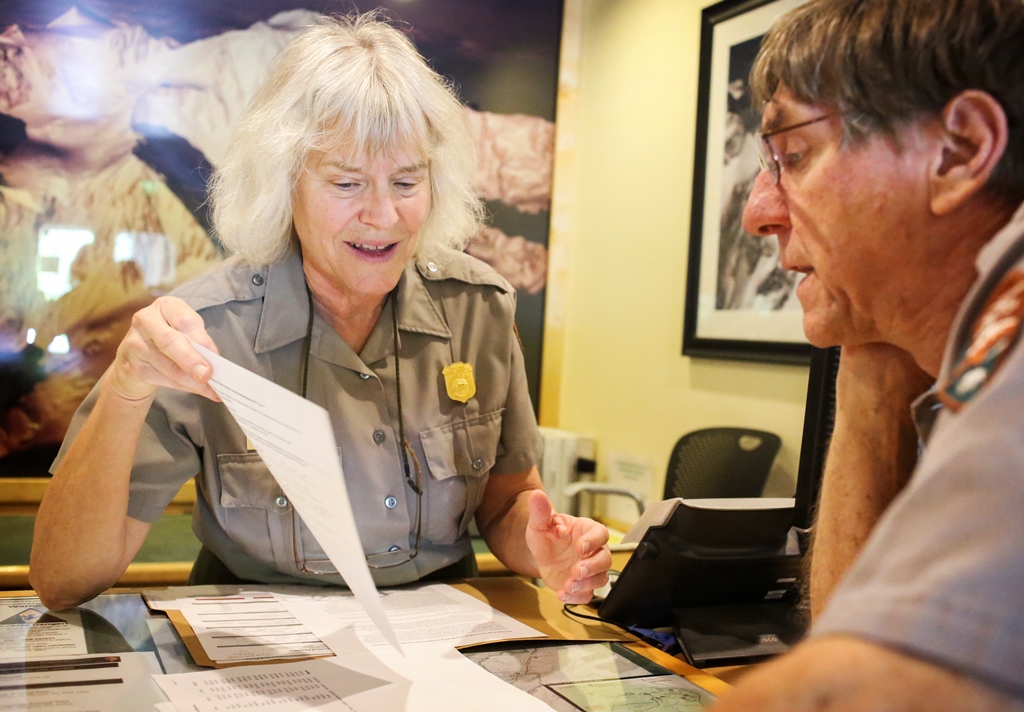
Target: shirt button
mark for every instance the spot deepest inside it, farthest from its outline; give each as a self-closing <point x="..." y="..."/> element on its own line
<point x="364" y="376"/>
<point x="478" y="463"/>
<point x="257" y="279"/>
<point x="395" y="548"/>
<point x="281" y="501"/>
<point x="390" y="502"/>
<point x="431" y="266"/>
<point x="378" y="436"/>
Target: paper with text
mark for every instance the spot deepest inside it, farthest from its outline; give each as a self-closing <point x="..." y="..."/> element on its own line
<point x="323" y="685"/>
<point x="120" y="682"/>
<point x="425" y="680"/>
<point x="250" y="625"/>
<point x="29" y="630"/>
<point x="296" y="441"/>
<point x="431" y="615"/>
<point x="170" y="598"/>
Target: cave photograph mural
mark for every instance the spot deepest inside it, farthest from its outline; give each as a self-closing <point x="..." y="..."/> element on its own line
<point x="115" y="113"/>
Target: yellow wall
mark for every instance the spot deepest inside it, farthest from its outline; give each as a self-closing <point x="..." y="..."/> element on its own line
<point x="613" y="365"/>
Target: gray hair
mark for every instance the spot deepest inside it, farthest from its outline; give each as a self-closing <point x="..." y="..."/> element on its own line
<point x="352" y="80"/>
<point x="885" y="62"/>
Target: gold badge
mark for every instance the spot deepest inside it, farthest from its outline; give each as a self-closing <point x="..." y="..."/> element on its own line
<point x="458" y="381"/>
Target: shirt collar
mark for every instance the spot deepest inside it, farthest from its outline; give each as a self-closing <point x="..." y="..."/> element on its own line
<point x="1000" y="244"/>
<point x="417" y="313"/>
<point x="417" y="310"/>
<point x="285" y="304"/>
<point x="1004" y="246"/>
<point x="286" y="309"/>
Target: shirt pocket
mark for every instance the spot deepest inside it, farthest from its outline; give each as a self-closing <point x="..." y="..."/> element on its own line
<point x="252" y="504"/>
<point x="459" y="456"/>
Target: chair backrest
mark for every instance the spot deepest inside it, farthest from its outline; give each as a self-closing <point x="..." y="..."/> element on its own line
<point x="721" y="462"/>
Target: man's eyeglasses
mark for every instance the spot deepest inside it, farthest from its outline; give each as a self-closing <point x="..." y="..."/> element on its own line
<point x="396" y="556"/>
<point x="766" y="153"/>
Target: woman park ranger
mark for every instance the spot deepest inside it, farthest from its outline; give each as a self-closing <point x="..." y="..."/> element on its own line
<point x="347" y="194"/>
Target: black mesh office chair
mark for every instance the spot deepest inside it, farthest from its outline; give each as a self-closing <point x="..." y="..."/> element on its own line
<point x="721" y="462"/>
<point x="708" y="463"/>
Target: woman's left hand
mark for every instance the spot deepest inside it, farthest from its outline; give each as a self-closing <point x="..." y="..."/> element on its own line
<point x="571" y="552"/>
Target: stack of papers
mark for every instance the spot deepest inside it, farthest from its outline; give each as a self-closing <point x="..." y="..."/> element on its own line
<point x="365" y="673"/>
<point x="233" y="624"/>
<point x="47" y="664"/>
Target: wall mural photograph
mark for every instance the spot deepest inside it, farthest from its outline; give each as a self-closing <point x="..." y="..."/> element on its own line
<point x="113" y="116"/>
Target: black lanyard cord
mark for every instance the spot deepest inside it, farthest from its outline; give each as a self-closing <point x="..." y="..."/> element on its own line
<point x="393" y="298"/>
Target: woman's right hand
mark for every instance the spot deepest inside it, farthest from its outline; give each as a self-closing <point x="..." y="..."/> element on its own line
<point x="156" y="352"/>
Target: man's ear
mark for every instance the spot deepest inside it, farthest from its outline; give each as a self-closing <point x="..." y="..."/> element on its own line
<point x="974" y="140"/>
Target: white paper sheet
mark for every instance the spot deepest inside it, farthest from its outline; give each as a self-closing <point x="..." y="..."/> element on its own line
<point x="424" y="680"/>
<point x="29" y="630"/>
<point x="323" y="685"/>
<point x="295" y="439"/>
<point x="251" y="625"/>
<point x="442" y="680"/>
<point x="433" y="615"/>
<point x="433" y="676"/>
<point x="170" y="598"/>
<point x="120" y="682"/>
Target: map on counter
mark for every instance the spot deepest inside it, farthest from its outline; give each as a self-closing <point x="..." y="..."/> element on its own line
<point x="592" y="677"/>
<point x="640" y="694"/>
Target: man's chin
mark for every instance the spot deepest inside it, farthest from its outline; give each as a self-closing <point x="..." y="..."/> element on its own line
<point x="821" y="335"/>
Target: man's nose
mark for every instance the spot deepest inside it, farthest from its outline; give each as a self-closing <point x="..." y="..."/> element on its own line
<point x="766" y="212"/>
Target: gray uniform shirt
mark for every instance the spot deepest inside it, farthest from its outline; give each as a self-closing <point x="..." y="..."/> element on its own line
<point x="942" y="575"/>
<point x="461" y="311"/>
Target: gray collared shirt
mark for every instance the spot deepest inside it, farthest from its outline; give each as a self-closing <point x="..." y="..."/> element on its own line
<point x="942" y="575"/>
<point x="461" y="311"/>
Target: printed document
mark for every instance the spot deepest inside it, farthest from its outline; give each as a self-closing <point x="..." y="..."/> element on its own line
<point x="296" y="441"/>
<point x="29" y="630"/>
<point x="122" y="682"/>
<point x="423" y="616"/>
<point x="324" y="685"/>
<point x="433" y="615"/>
<point x="424" y="680"/>
<point x="249" y="625"/>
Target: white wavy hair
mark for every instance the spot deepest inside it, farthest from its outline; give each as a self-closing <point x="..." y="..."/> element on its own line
<point x="356" y="81"/>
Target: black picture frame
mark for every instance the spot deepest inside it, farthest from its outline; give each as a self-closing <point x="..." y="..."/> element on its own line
<point x="740" y="303"/>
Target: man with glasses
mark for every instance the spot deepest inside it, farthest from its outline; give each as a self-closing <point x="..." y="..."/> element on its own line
<point x="892" y="148"/>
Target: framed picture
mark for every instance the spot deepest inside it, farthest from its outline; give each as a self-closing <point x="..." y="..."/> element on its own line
<point x="740" y="302"/>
